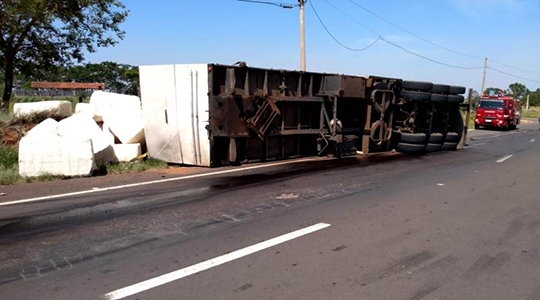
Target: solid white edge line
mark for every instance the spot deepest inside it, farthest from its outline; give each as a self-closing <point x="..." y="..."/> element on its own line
<point x="211" y="263"/>
<point x="504" y="158"/>
<point x="153" y="182"/>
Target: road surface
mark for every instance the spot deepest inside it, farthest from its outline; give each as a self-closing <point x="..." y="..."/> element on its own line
<point x="448" y="225"/>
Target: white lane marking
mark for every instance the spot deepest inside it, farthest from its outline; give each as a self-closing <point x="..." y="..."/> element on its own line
<point x="504" y="158"/>
<point x="96" y="190"/>
<point x="211" y="263"/>
<point x="532" y="141"/>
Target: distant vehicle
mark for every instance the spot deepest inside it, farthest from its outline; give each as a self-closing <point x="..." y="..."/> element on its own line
<point x="498" y="111"/>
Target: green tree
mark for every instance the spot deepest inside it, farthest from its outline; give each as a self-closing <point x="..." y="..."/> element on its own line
<point x="534" y="99"/>
<point x="518" y="90"/>
<point x="37" y="35"/>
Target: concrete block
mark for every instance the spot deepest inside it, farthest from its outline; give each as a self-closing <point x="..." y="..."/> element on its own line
<point x="84" y="108"/>
<point x="59" y="108"/>
<point x="126" y="152"/>
<point x="56" y="156"/>
<point x="123" y="115"/>
<point x="110" y="136"/>
<point x="82" y="127"/>
<point x="44" y="130"/>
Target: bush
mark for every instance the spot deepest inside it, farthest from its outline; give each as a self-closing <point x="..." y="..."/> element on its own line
<point x="9" y="171"/>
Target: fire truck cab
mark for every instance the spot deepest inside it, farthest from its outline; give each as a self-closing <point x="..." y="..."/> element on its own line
<point x="497" y="111"/>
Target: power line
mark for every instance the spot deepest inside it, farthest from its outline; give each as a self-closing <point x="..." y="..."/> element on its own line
<point x="383" y="39"/>
<point x="334" y="38"/>
<point x="515" y="68"/>
<point x="436" y="44"/>
<point x="282" y="5"/>
<point x="412" y="33"/>
<point x="512" y="75"/>
<point x="429" y="59"/>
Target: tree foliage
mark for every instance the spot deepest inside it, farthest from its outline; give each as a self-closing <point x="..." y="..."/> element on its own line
<point x="37" y="35"/>
<point x="518" y="90"/>
<point x="118" y="78"/>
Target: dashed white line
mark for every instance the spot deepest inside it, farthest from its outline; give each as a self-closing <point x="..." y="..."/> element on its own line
<point x="97" y="190"/>
<point x="211" y="263"/>
<point x="504" y="158"/>
<point x="532" y="141"/>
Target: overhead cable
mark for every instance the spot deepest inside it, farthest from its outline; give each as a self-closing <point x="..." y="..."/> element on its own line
<point x="412" y="33"/>
<point x="334" y="38"/>
<point x="383" y="39"/>
<point x="513" y="75"/>
<point x="282" y="5"/>
<point x="515" y="68"/>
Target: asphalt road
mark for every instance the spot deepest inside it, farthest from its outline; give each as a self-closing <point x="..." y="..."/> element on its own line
<point x="448" y="225"/>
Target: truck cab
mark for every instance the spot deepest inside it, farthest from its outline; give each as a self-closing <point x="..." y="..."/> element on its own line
<point x="497" y="111"/>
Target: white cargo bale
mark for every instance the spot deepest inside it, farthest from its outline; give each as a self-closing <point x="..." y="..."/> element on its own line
<point x="84" y="108"/>
<point x="123" y="115"/>
<point x="55" y="156"/>
<point x="103" y="102"/>
<point x="59" y="108"/>
<point x="44" y="130"/>
<point x="126" y="152"/>
<point x="83" y="127"/>
<point x="110" y="136"/>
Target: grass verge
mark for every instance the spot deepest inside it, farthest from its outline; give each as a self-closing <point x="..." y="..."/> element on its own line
<point x="131" y="167"/>
<point x="9" y="172"/>
<point x="533" y="112"/>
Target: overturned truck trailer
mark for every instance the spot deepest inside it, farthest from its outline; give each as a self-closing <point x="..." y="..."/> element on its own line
<point x="212" y="115"/>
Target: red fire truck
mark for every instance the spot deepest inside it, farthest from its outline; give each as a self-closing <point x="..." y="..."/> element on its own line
<point x="498" y="111"/>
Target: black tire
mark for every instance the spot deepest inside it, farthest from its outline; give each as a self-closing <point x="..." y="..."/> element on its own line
<point x="449" y="146"/>
<point x="476" y="126"/>
<point x="456" y="98"/>
<point x="457" y="90"/>
<point x="433" y="147"/>
<point x="417" y="85"/>
<point x="436" y="138"/>
<point x="439" y="98"/>
<point x="453" y="137"/>
<point x="440" y="88"/>
<point x="410" y="148"/>
<point x="417" y="96"/>
<point x="456" y="124"/>
<point x="413" y="138"/>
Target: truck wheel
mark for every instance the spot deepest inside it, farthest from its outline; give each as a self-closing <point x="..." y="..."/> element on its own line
<point x="439" y="98"/>
<point x="436" y="138"/>
<point x="457" y="90"/>
<point x="413" y="138"/>
<point x="418" y="96"/>
<point x="476" y="126"/>
<point x="453" y="137"/>
<point x="440" y="88"/>
<point x="449" y="146"/>
<point x="417" y="85"/>
<point x="410" y="148"/>
<point x="456" y="98"/>
<point x="433" y="147"/>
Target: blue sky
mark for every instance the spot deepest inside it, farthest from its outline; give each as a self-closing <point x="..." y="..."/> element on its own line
<point x="226" y="31"/>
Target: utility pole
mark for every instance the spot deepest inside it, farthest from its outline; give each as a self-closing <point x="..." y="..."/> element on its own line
<point x="527" y="102"/>
<point x="301" y="4"/>
<point x="484" y="79"/>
